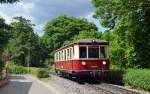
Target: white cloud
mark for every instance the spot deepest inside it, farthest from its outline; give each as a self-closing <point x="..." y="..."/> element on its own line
<point x="39" y="29"/>
<point x="90" y="18"/>
<point x="7" y="18"/>
<point x="40" y="12"/>
<point x="26" y="7"/>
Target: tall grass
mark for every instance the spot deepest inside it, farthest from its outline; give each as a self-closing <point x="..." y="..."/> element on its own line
<point x="137" y="78"/>
<point x="16" y="69"/>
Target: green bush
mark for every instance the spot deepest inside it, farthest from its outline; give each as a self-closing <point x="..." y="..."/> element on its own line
<point x="1" y="65"/>
<point x="50" y="68"/>
<point x="137" y="78"/>
<point x="42" y="73"/>
<point x="33" y="70"/>
<point x="16" y="69"/>
<point x="115" y="76"/>
<point x="39" y="72"/>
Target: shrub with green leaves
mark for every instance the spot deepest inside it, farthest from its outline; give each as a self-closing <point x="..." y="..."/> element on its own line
<point x="137" y="78"/>
<point x="1" y="66"/>
<point x="42" y="73"/>
<point x="33" y="70"/>
<point x="15" y="69"/>
<point x="115" y="76"/>
<point x="50" y="68"/>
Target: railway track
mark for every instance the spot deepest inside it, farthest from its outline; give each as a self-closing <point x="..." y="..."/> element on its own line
<point x="105" y="88"/>
<point x="88" y="88"/>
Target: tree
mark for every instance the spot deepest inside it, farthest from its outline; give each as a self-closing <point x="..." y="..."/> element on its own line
<point x="129" y="21"/>
<point x="4" y="37"/>
<point x="4" y="34"/>
<point x="24" y="46"/>
<point x="4" y="27"/>
<point x="85" y="35"/>
<point x="8" y="1"/>
<point x="62" y="29"/>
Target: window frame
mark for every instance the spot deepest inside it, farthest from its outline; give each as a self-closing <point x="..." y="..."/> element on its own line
<point x="106" y="51"/>
<point x="68" y="53"/>
<point x="86" y="51"/>
<point x="98" y="46"/>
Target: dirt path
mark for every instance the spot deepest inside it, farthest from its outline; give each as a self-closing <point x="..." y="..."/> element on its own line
<point x="25" y="84"/>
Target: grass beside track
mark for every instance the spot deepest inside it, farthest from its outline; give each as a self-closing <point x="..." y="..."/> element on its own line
<point x="38" y="72"/>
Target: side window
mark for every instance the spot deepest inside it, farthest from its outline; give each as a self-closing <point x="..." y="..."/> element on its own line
<point x="82" y="52"/>
<point x="68" y="54"/>
<point x="64" y="54"/>
<point x="72" y="53"/>
<point x="60" y="55"/>
<point x="103" y="52"/>
<point x="56" y="56"/>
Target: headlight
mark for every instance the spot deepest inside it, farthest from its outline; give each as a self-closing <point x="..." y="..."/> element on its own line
<point x="83" y="63"/>
<point x="104" y="62"/>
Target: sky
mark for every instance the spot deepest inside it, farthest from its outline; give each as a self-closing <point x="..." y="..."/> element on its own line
<point x="40" y="12"/>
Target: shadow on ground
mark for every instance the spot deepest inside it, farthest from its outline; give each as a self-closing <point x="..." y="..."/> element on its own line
<point x="15" y="77"/>
<point x="17" y="85"/>
<point x="113" y="77"/>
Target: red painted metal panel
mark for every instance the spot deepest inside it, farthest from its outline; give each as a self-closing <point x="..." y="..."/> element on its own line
<point x="76" y="65"/>
<point x="64" y="65"/>
<point x="90" y="65"/>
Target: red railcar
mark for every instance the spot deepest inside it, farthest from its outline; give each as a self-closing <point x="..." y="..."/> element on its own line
<point x="83" y="58"/>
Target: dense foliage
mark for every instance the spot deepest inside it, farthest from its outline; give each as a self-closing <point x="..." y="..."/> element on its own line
<point x="4" y="37"/>
<point x="4" y="34"/>
<point x="42" y="73"/>
<point x="8" y="1"/>
<point x="134" y="78"/>
<point x="137" y="78"/>
<point x="115" y="76"/>
<point x="1" y="66"/>
<point x="16" y="69"/>
<point x="129" y="22"/>
<point x="24" y="45"/>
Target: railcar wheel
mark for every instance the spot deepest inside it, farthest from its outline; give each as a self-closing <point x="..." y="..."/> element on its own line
<point x="59" y="73"/>
<point x="80" y="80"/>
<point x="56" y="71"/>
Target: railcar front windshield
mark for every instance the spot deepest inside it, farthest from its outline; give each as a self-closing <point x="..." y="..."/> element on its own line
<point x="103" y="53"/>
<point x="93" y="51"/>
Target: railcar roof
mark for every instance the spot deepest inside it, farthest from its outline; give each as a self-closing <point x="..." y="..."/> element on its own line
<point x="83" y="41"/>
<point x="90" y="40"/>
